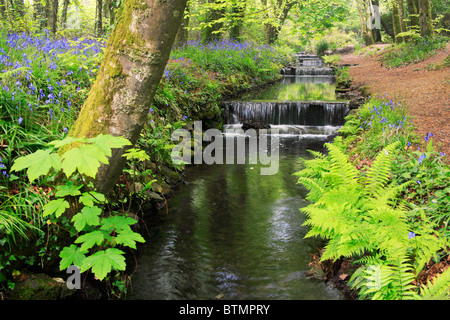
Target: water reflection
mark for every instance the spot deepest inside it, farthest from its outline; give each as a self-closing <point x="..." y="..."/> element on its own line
<point x="234" y="234"/>
<point x="298" y="88"/>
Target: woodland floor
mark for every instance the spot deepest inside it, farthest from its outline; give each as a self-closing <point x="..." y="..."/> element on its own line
<point x="425" y="93"/>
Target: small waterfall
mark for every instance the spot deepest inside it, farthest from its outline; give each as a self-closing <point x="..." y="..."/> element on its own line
<point x="307" y="65"/>
<point x="315" y="113"/>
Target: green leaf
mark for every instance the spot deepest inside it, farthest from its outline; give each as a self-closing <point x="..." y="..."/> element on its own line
<point x="87" y="216"/>
<point x="89" y="198"/>
<point x="85" y="159"/>
<point x="117" y="223"/>
<point x="90" y="239"/>
<point x="65" y="141"/>
<point x="128" y="238"/>
<point x="58" y="207"/>
<point x="102" y="262"/>
<point x="69" y="189"/>
<point x="108" y="142"/>
<point x="38" y="163"/>
<point x="71" y="255"/>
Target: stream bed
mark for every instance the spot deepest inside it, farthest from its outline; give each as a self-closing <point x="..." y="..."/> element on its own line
<point x="232" y="233"/>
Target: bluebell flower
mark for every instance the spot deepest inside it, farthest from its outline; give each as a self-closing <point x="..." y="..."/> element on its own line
<point x="411" y="235"/>
<point x="20" y="120"/>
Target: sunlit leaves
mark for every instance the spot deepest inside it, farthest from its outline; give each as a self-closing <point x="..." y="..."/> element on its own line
<point x="87" y="216"/>
<point x="102" y="262"/>
<point x="86" y="160"/>
<point x="58" y="207"/>
<point x="71" y="255"/>
<point x="38" y="163"/>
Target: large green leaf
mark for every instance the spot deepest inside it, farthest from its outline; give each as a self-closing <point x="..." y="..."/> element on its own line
<point x="108" y="142"/>
<point x="57" y="207"/>
<point x="90" y="239"/>
<point x="87" y="216"/>
<point x="38" y="163"/>
<point x="71" y="255"/>
<point x="86" y="159"/>
<point x="102" y="262"/>
<point x="128" y="238"/>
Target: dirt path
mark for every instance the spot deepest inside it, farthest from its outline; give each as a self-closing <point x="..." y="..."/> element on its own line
<point x="425" y="93"/>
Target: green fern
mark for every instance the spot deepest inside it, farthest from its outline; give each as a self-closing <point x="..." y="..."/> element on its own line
<point x="438" y="289"/>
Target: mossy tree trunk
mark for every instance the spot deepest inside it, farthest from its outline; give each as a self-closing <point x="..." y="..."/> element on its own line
<point x="366" y="33"/>
<point x="413" y="10"/>
<point x="183" y="33"/>
<point x="425" y="20"/>
<point x="238" y="14"/>
<point x="99" y="18"/>
<point x="135" y="57"/>
<point x="64" y="13"/>
<point x="396" y="22"/>
<point x="213" y="29"/>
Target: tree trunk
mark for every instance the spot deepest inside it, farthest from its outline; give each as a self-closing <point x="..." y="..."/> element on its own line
<point x="238" y="12"/>
<point x="183" y="33"/>
<point x="99" y="18"/>
<point x="396" y="21"/>
<point x="213" y="31"/>
<point x="53" y="17"/>
<point x="426" y="23"/>
<point x="386" y="29"/>
<point x="366" y="34"/>
<point x="413" y="10"/>
<point x="64" y="14"/>
<point x="137" y="52"/>
<point x="401" y="11"/>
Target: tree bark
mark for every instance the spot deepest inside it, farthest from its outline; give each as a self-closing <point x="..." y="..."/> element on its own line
<point x="213" y="32"/>
<point x="426" y="23"/>
<point x="183" y="33"/>
<point x="238" y="12"/>
<point x="135" y="57"/>
<point x="396" y="21"/>
<point x="99" y="18"/>
<point x="64" y="14"/>
<point x="53" y="17"/>
<point x="413" y="10"/>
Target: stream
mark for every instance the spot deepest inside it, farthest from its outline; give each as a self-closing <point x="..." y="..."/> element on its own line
<point x="232" y="233"/>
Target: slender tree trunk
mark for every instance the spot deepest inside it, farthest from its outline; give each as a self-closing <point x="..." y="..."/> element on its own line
<point x="183" y="33"/>
<point x="213" y="32"/>
<point x="396" y="21"/>
<point x="386" y="29"/>
<point x="64" y="14"/>
<point x="401" y="8"/>
<point x="413" y="10"/>
<point x="137" y="52"/>
<point x="363" y="16"/>
<point x="376" y="34"/>
<point x="425" y="20"/>
<point x="238" y="12"/>
<point x="53" y="17"/>
<point x="99" y="18"/>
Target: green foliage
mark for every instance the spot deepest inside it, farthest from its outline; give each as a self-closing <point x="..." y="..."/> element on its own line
<point x="98" y="234"/>
<point x="412" y="52"/>
<point x="343" y="79"/>
<point x="390" y="217"/>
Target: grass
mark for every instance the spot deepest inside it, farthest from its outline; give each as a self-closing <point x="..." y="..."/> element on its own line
<point x="412" y="52"/>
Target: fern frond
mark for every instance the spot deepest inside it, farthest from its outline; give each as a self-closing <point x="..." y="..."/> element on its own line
<point x="340" y="166"/>
<point x="438" y="289"/>
<point x="378" y="175"/>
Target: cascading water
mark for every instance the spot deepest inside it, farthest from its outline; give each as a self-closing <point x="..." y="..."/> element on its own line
<point x="232" y="233"/>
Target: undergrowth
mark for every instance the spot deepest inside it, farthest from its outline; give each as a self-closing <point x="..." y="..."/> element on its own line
<point x="380" y="197"/>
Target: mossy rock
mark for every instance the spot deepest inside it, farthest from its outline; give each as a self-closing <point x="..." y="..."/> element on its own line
<point x="40" y="287"/>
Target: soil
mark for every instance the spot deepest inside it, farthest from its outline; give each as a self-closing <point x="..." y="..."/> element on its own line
<point x="425" y="93"/>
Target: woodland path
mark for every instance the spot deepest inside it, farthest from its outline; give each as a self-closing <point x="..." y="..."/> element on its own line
<point x="425" y="93"/>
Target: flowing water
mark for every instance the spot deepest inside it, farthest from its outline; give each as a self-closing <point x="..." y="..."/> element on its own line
<point x="232" y="233"/>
